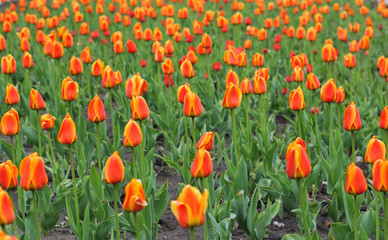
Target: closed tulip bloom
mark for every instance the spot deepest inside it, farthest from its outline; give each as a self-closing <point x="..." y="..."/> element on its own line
<point x="8" y="64"/>
<point x="355" y="180"/>
<point x="353" y="46"/>
<point x="167" y="67"/>
<point x="232" y="97"/>
<point x="8" y="175"/>
<point x="297" y="74"/>
<point x="192" y="106"/>
<point x="312" y="82"/>
<point x="96" y="110"/>
<point x="263" y="72"/>
<point x="380" y="61"/>
<point x="27" y="60"/>
<point x="259" y="85"/>
<point x="246" y="86"/>
<point x="3" y="44"/>
<point x="109" y="78"/>
<point x="86" y="56"/>
<point x="135" y="86"/>
<point x="383" y="123"/>
<point x="118" y="47"/>
<point x="187" y="69"/>
<point x="114" y="169"/>
<point x="202" y="166"/>
<point x="11" y="95"/>
<point x="56" y="50"/>
<point x="4" y="236"/>
<point x="297" y="61"/>
<point x="352" y="120"/>
<point x="9" y="125"/>
<point x="159" y="54"/>
<point x="384" y="68"/>
<point x="231" y="77"/>
<point x="139" y="107"/>
<point x="192" y="57"/>
<point x="75" y="66"/>
<point x="135" y="199"/>
<point x="340" y="95"/>
<point x="67" y="40"/>
<point x="364" y="43"/>
<point x="241" y="59"/>
<point x="132" y="134"/>
<point x="47" y="121"/>
<point x="311" y="34"/>
<point x="206" y="141"/>
<point x="97" y="68"/>
<point x="329" y="53"/>
<point x="69" y="90"/>
<point x="349" y="60"/>
<point x="36" y="100"/>
<point x="257" y="60"/>
<point x="206" y="41"/>
<point x="67" y="134"/>
<point x="298" y="163"/>
<point x="190" y="207"/>
<point x="380" y="175"/>
<point x="329" y="91"/>
<point x="7" y="214"/>
<point x="182" y="91"/>
<point x="32" y="173"/>
<point x="296" y="99"/>
<point x="375" y="150"/>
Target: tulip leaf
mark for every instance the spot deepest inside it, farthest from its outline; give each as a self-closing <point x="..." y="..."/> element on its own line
<point x="6" y="148"/>
<point x="367" y="221"/>
<point x="86" y="224"/>
<point x="161" y="201"/>
<point x="292" y="237"/>
<point x="104" y="227"/>
<point x="51" y="216"/>
<point x="339" y="230"/>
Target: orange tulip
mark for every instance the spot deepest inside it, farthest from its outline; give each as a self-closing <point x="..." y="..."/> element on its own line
<point x="241" y="59"/>
<point x="4" y="236"/>
<point x="206" y="41"/>
<point x="8" y="175"/>
<point x="96" y="110"/>
<point x="3" y="44"/>
<point x="259" y="85"/>
<point x="7" y="214"/>
<point x="375" y="150"/>
<point x="27" y="60"/>
<point x="231" y="77"/>
<point x="86" y="56"/>
<point x="340" y="95"/>
<point x="263" y="72"/>
<point x="246" y="86"/>
<point x="192" y="57"/>
<point x="131" y="46"/>
<point x="67" y="134"/>
<point x="187" y="69"/>
<point x="69" y="90"/>
<point x="355" y="180"/>
<point x="9" y="125"/>
<point x="383" y="123"/>
<point x="202" y="166"/>
<point x="32" y="173"/>
<point x="67" y="40"/>
<point x="182" y="91"/>
<point x="36" y="100"/>
<point x="8" y="64"/>
<point x="109" y="79"/>
<point x="118" y="47"/>
<point x="159" y="55"/>
<point x="329" y="53"/>
<point x="297" y="61"/>
<point x="300" y="33"/>
<point x="384" y="68"/>
<point x="192" y="106"/>
<point x="297" y="74"/>
<point x="206" y="141"/>
<point x="311" y="34"/>
<point x="75" y="66"/>
<point x="190" y="207"/>
<point x="298" y="163"/>
<point x="350" y="60"/>
<point x="296" y="99"/>
<point x="139" y="107"/>
<point x="97" y="68"/>
<point x="380" y="61"/>
<point x="353" y="46"/>
<point x="380" y="173"/>
<point x="364" y="43"/>
<point x="47" y="121"/>
<point x="257" y="60"/>
<point x="135" y="86"/>
<point x="132" y="134"/>
<point x="114" y="169"/>
<point x="329" y="91"/>
<point x="352" y="121"/>
<point x="24" y="45"/>
<point x="167" y="67"/>
<point x="135" y="199"/>
<point x="56" y="50"/>
<point x="11" y="95"/>
<point x="312" y="82"/>
<point x="232" y="97"/>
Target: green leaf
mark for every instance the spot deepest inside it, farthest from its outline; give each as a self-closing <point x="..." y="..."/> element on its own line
<point x="161" y="201"/>
<point x="292" y="237"/>
<point x="51" y="216"/>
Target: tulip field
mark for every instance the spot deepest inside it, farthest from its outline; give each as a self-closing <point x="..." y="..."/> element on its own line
<point x="197" y="119"/>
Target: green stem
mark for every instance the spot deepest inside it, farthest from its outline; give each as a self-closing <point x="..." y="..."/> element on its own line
<point x="36" y="214"/>
<point x="385" y="214"/>
<point x="300" y="124"/>
<point x="377" y="215"/>
<point x="192" y="236"/>
<point x="339" y="118"/>
<point x="99" y="151"/>
<point x="193" y="125"/>
<point x="248" y="122"/>
<point x="330" y="130"/>
<point x="205" y="235"/>
<point x="13" y="151"/>
<point x="142" y="169"/>
<point x="304" y="216"/>
<point x="355" y="218"/>
<point x="74" y="188"/>
<point x="88" y="81"/>
<point x="353" y="148"/>
<point x="316" y="124"/>
<point x="133" y="162"/>
<point x="14" y="222"/>
<point x="70" y="109"/>
<point x="53" y="163"/>
<point x="234" y="135"/>
<point x="116" y="212"/>
<point x="111" y="111"/>
<point x="137" y="226"/>
<point x="38" y="129"/>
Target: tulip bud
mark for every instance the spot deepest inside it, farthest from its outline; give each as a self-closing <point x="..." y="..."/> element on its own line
<point x="375" y="150"/>
<point x="182" y="91"/>
<point x="329" y="91"/>
<point x="135" y="86"/>
<point x="246" y="86"/>
<point x="96" y="110"/>
<point x="314" y="110"/>
<point x="27" y="60"/>
<point x="384" y="68"/>
<point x="312" y="82"/>
<point x="11" y="95"/>
<point x="75" y="66"/>
<point x="8" y="175"/>
<point x="257" y="60"/>
<point x="352" y="121"/>
<point x="340" y="95"/>
<point x="349" y="61"/>
<point x="329" y="53"/>
<point x="132" y="134"/>
<point x="36" y="100"/>
<point x="296" y="99"/>
<point x="206" y="141"/>
<point x="192" y="106"/>
<point x="7" y="214"/>
<point x="297" y="74"/>
<point x="47" y="121"/>
<point x="139" y="108"/>
<point x="232" y="97"/>
<point x="231" y="77"/>
<point x="259" y="85"/>
<point x="383" y="123"/>
<point x="114" y="169"/>
<point x="32" y="173"/>
<point x="9" y="125"/>
<point x="86" y="56"/>
<point x="97" y="68"/>
<point x="263" y="72"/>
<point x="67" y="133"/>
<point x="380" y="172"/>
<point x="202" y="166"/>
<point x="69" y="90"/>
<point x="217" y="66"/>
<point x="8" y="64"/>
<point x="355" y="180"/>
<point x="187" y="69"/>
<point x="135" y="199"/>
<point x="167" y="67"/>
<point x="298" y="163"/>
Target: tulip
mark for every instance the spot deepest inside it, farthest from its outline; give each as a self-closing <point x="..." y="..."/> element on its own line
<point x="232" y="97"/>
<point x="97" y="68"/>
<point x="7" y="214"/>
<point x="328" y="53"/>
<point x="139" y="108"/>
<point x="297" y="74"/>
<point x="36" y="100"/>
<point x="86" y="56"/>
<point x="8" y="64"/>
<point x="167" y="67"/>
<point x="96" y="110"/>
<point x="4" y="236"/>
<point x="246" y="86"/>
<point x="69" y="90"/>
<point x="135" y="199"/>
<point x="312" y="82"/>
<point x="187" y="69"/>
<point x="56" y="50"/>
<point x="47" y="121"/>
<point x="374" y="151"/>
<point x="383" y="122"/>
<point x="379" y="172"/>
<point x="27" y="60"/>
<point x="340" y="95"/>
<point x="296" y="99"/>
<point x="206" y="141"/>
<point x="257" y="60"/>
<point x="182" y="91"/>
<point x="297" y="61"/>
<point x="329" y="91"/>
<point x="202" y="166"/>
<point x="192" y="106"/>
<point x="349" y="61"/>
<point x="352" y="122"/>
<point x="135" y="86"/>
<point x="11" y="95"/>
<point x="263" y="72"/>
<point x="132" y="134"/>
<point x="67" y="133"/>
<point x="75" y="66"/>
<point x="8" y="175"/>
<point x="9" y="125"/>
<point x="114" y="169"/>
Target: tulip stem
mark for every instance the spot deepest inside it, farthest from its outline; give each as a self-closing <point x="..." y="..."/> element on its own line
<point x="248" y="122"/>
<point x="339" y="117"/>
<point x="142" y="167"/>
<point x="111" y="112"/>
<point x="316" y="124"/>
<point x="203" y="183"/>
<point x="133" y="162"/>
<point x="192" y="236"/>
<point x="377" y="215"/>
<point x="116" y="212"/>
<point x="14" y="222"/>
<point x="331" y="130"/>
<point x="137" y="226"/>
<point x="385" y="214"/>
<point x="304" y="216"/>
<point x="53" y="163"/>
<point x="36" y="214"/>
<point x="353" y="148"/>
<point x="38" y="129"/>
<point x="234" y="135"/>
<point x="193" y="124"/>
<point x="74" y="189"/>
<point x="355" y="218"/>
<point x="98" y="151"/>
<point x="300" y="124"/>
<point x="13" y="151"/>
